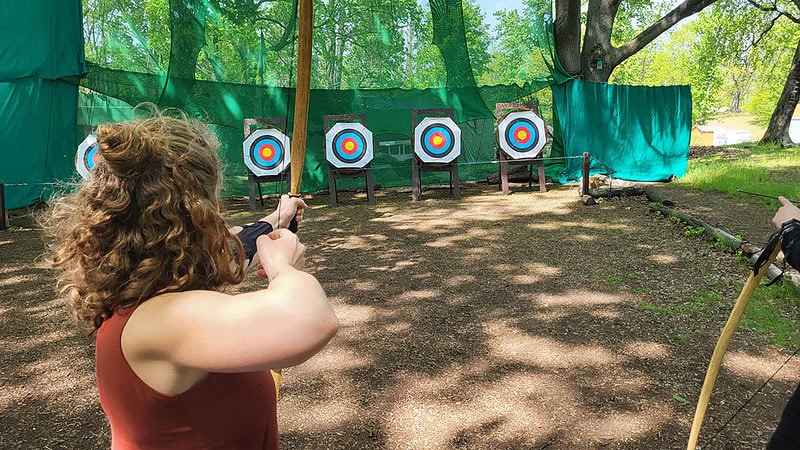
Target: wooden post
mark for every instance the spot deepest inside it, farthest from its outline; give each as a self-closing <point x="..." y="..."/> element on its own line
<point x="3" y="212"/>
<point x="585" y="178"/>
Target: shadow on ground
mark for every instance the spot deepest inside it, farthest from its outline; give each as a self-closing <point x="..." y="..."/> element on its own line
<point x="502" y="322"/>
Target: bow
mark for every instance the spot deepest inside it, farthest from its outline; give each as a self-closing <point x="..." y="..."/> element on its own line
<point x="299" y="130"/>
<point x="759" y="270"/>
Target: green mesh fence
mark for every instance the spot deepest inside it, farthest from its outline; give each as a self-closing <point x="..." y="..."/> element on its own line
<point x="225" y="61"/>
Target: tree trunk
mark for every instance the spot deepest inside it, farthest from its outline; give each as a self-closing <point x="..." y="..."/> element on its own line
<point x="596" y="63"/>
<point x="187" y="32"/>
<point x="567" y="28"/>
<point x="599" y="58"/>
<point x="778" y="129"/>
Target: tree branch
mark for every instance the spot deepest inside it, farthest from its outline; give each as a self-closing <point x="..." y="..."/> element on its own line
<point x="774" y="8"/>
<point x="763" y="33"/>
<point x="682" y="11"/>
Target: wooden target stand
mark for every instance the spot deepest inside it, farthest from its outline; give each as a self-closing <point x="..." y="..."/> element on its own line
<point x="418" y="166"/>
<point x="335" y="173"/>
<point x="253" y="181"/>
<point x="501" y="110"/>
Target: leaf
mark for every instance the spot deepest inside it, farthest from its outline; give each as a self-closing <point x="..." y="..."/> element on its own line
<point x="678" y="398"/>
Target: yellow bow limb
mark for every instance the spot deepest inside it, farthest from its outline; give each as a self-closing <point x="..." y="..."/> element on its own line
<point x="302" y="95"/>
<point x="722" y="346"/>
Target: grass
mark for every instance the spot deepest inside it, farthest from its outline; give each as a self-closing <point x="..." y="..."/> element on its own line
<point x="773" y="312"/>
<point x="702" y="302"/>
<point x="769" y="170"/>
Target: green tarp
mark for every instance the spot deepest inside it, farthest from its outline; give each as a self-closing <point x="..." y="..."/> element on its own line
<point x="638" y="133"/>
<point x="38" y="137"/>
<point x="40" y="42"/>
<point x="40" y="39"/>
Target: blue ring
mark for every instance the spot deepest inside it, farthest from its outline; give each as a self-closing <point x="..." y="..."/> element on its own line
<point x="448" y="140"/>
<point x="261" y="162"/>
<point x="337" y="147"/>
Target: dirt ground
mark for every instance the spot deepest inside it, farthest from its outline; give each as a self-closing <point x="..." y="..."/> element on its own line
<point x="494" y="322"/>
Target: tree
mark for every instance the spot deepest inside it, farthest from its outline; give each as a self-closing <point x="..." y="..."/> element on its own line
<point x="778" y="128"/>
<point x="595" y="58"/>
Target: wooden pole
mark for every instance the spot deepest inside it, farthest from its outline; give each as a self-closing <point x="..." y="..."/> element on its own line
<point x="3" y="211"/>
<point x="302" y="94"/>
<point x="585" y="178"/>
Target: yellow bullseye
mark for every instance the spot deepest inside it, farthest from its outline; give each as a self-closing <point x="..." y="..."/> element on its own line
<point x="437" y="140"/>
<point x="349" y="146"/>
<point x="522" y="135"/>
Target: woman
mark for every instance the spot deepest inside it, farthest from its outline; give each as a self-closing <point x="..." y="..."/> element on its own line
<point x="787" y="219"/>
<point x="143" y="253"/>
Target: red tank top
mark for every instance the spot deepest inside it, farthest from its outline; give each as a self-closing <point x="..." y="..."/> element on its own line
<point x="223" y="411"/>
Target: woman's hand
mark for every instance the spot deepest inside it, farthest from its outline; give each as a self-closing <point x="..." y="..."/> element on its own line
<point x="279" y="250"/>
<point x="785" y="213"/>
<point x="289" y="208"/>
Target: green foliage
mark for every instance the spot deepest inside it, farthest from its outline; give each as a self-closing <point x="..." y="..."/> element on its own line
<point x="773" y="312"/>
<point x="768" y="170"/>
<point x="721" y="53"/>
<point x="690" y="230"/>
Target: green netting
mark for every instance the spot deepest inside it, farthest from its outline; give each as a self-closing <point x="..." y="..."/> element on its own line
<point x="636" y="133"/>
<point x="224" y="61"/>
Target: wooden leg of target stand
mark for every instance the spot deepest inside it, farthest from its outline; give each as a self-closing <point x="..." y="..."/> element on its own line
<point x="370" y="187"/>
<point x="454" y="177"/>
<point x="3" y="211"/>
<point x="416" y="183"/>
<point x="332" y="195"/>
<point x="504" y="176"/>
<point x="251" y="192"/>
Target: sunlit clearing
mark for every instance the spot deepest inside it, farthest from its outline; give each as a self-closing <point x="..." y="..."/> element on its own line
<point x="412" y="296"/>
<point x="663" y="259"/>
<point x="760" y="368"/>
<point x="510" y="344"/>
<point x="459" y="280"/>
<point x="352" y="315"/>
<point x="426" y="416"/>
<point x="652" y="350"/>
<point x="578" y="298"/>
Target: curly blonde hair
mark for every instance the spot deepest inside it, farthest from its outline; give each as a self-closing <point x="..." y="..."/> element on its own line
<point x="146" y="222"/>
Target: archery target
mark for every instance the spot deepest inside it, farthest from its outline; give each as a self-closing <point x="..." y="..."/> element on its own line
<point x="266" y="152"/>
<point x="521" y="135"/>
<point x="348" y="145"/>
<point x="437" y="140"/>
<point x="87" y="155"/>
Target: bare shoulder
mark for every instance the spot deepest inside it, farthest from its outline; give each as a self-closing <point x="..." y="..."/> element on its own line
<point x="159" y="322"/>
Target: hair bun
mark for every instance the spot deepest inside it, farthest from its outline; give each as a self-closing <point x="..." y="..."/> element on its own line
<point x="123" y="149"/>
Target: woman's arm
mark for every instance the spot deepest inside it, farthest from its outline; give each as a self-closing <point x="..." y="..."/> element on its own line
<point x="280" y="326"/>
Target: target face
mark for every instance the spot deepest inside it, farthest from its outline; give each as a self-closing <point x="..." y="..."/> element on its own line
<point x="266" y="152"/>
<point x="87" y="156"/>
<point x="521" y="135"/>
<point x="437" y="140"/>
<point x="348" y="145"/>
